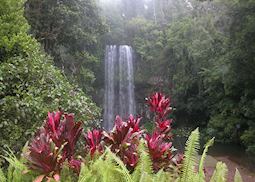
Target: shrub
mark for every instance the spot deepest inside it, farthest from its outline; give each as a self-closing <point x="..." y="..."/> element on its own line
<point x="30" y="85"/>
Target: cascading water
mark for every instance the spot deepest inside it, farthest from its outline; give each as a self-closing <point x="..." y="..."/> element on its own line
<point x="119" y="84"/>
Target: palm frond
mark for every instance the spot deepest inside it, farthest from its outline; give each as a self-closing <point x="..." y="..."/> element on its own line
<point x="220" y="173"/>
<point x="238" y="177"/>
<point x="190" y="156"/>
<point x="201" y="164"/>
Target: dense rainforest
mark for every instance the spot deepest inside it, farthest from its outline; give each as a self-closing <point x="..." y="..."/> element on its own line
<point x="200" y="53"/>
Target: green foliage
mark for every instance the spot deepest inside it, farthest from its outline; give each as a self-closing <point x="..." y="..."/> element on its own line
<point x="203" y="157"/>
<point x="190" y="156"/>
<point x="29" y="85"/>
<point x="106" y="168"/>
<point x="109" y="167"/>
<point x="2" y="176"/>
<point x="17" y="170"/>
<point x="190" y="163"/>
<point x="144" y="166"/>
<point x="70" y="32"/>
<point x="67" y="175"/>
<point x="204" y="58"/>
<point x="238" y="177"/>
<point x="230" y="82"/>
<point x="220" y="173"/>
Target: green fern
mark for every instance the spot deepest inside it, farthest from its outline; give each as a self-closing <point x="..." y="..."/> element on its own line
<point x="190" y="157"/>
<point x="2" y="176"/>
<point x="17" y="170"/>
<point x="122" y="168"/>
<point x="107" y="168"/>
<point x="220" y="173"/>
<point x="162" y="176"/>
<point x="201" y="164"/>
<point x="238" y="177"/>
<point x="144" y="167"/>
<point x="12" y="160"/>
<point x="85" y="174"/>
<point x="67" y="175"/>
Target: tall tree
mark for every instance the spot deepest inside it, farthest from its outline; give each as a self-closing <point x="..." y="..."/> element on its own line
<point x="69" y="31"/>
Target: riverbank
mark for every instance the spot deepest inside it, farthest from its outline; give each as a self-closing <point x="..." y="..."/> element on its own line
<point x="247" y="175"/>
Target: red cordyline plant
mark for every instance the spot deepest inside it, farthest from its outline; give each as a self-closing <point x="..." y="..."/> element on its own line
<point x="159" y="145"/>
<point x="93" y="142"/>
<point x="160" y="105"/>
<point x="43" y="156"/>
<point x="54" y="144"/>
<point x="123" y="140"/>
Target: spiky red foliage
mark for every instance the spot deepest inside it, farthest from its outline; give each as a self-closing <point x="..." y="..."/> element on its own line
<point x="160" y="147"/>
<point x="93" y="142"/>
<point x="159" y="150"/>
<point x="54" y="128"/>
<point x="159" y="104"/>
<point x="54" y="143"/>
<point x="71" y="134"/>
<point x="124" y="140"/>
<point x="65" y="132"/>
<point x="43" y="155"/>
<point x="75" y="165"/>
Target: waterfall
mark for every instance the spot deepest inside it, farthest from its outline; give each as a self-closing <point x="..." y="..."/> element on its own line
<point x="119" y="96"/>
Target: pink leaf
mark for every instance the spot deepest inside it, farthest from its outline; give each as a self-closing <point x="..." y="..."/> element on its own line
<point x="39" y="178"/>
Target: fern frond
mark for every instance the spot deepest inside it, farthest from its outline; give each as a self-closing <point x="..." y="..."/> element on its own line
<point x="162" y="176"/>
<point x="16" y="168"/>
<point x="12" y="160"/>
<point x="10" y="173"/>
<point x="201" y="164"/>
<point x="145" y="177"/>
<point x="67" y="174"/>
<point x="119" y="162"/>
<point x="2" y="176"/>
<point x="190" y="156"/>
<point x="106" y="170"/>
<point x="220" y="173"/>
<point x="144" y="165"/>
<point x="238" y="177"/>
<point x="85" y="174"/>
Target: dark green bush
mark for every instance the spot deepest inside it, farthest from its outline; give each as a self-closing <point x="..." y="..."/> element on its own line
<point x="30" y="85"/>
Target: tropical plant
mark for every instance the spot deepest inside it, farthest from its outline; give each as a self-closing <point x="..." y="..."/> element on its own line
<point x="109" y="167"/>
<point x="126" y="153"/>
<point x="123" y="140"/>
<point x="53" y="145"/>
<point x="191" y="164"/>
